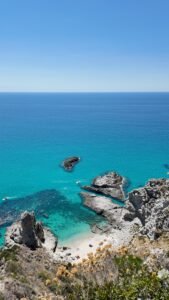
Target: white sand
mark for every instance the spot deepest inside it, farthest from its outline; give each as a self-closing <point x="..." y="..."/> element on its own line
<point x="79" y="246"/>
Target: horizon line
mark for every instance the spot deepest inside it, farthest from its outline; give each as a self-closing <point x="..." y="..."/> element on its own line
<point x="78" y="92"/>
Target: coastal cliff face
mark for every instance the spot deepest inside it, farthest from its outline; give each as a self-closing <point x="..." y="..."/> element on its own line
<point x="147" y="206"/>
<point x="137" y="268"/>
<point x="151" y="205"/>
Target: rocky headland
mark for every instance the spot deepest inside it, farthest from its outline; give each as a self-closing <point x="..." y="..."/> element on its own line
<point x="150" y="205"/>
<point x="147" y="206"/>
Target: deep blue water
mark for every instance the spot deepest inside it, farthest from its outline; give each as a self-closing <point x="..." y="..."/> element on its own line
<point x="126" y="132"/>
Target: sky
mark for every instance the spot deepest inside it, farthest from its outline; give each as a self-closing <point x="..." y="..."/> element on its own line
<point x="84" y="45"/>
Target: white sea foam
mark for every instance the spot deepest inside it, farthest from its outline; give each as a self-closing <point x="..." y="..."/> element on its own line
<point x="9" y="198"/>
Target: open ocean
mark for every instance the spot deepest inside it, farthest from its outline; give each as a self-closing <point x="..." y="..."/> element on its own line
<point x="126" y="132"/>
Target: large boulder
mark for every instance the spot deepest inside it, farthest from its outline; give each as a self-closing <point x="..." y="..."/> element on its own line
<point x="110" y="184"/>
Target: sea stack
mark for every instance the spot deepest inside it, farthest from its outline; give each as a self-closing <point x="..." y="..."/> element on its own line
<point x="70" y="162"/>
<point x="30" y="233"/>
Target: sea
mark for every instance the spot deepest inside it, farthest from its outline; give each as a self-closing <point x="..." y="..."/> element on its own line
<point x="123" y="132"/>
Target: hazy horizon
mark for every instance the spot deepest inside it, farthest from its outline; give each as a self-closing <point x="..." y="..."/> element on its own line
<point x="84" y="92"/>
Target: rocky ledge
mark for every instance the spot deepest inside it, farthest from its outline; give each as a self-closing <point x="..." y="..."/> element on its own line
<point x="151" y="205"/>
<point x="110" y="184"/>
<point x="69" y="163"/>
<point x="105" y="207"/>
<point x="29" y="233"/>
<point x="147" y="206"/>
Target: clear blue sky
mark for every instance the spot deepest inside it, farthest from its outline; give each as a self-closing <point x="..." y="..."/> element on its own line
<point x="84" y="45"/>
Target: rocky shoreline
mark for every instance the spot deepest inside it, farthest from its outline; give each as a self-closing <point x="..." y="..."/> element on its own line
<point x="146" y="212"/>
<point x="140" y="227"/>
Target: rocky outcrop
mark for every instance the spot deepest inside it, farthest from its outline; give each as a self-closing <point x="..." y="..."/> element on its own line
<point x="105" y="207"/>
<point x="110" y="184"/>
<point x="69" y="163"/>
<point x="30" y="233"/>
<point x="151" y="205"/>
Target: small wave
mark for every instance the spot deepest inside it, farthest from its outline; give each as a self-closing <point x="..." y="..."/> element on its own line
<point x="78" y="182"/>
<point x="9" y="198"/>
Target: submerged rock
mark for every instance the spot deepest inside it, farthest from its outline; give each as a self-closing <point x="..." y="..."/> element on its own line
<point x="45" y="203"/>
<point x="151" y="205"/>
<point x="30" y="233"/>
<point x="69" y="163"/>
<point x="111" y="184"/>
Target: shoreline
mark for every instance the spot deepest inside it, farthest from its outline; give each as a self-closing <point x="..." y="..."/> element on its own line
<point x="148" y="204"/>
<point x="77" y="248"/>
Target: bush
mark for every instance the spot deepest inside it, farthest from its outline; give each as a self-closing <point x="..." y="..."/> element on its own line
<point x="43" y="275"/>
<point x="9" y="254"/>
<point x="134" y="282"/>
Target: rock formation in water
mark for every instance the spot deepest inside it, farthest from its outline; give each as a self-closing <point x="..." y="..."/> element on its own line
<point x="151" y="205"/>
<point x="69" y="163"/>
<point x="105" y="207"/>
<point x="147" y="206"/>
<point x="110" y="184"/>
<point x="30" y="233"/>
<point x="142" y="260"/>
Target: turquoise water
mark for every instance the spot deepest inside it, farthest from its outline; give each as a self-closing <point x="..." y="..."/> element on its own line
<point x="125" y="132"/>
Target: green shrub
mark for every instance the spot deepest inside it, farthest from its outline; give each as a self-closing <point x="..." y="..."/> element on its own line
<point x="9" y="254"/>
<point x="13" y="268"/>
<point x="134" y="282"/>
<point x="53" y="287"/>
<point x="43" y="275"/>
<point x="1" y="296"/>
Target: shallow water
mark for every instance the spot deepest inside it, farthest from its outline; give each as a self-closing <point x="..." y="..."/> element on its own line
<point x="128" y="133"/>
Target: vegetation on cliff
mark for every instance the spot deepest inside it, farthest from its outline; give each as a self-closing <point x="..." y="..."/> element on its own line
<point x="107" y="274"/>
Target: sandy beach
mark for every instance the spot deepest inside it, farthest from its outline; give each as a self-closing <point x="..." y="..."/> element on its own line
<point x="78" y="247"/>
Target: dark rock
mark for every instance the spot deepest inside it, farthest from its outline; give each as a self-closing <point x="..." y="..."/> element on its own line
<point x="65" y="248"/>
<point x="166" y="166"/>
<point x="69" y="163"/>
<point x="39" y="231"/>
<point x="111" y="184"/>
<point x="28" y="231"/>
